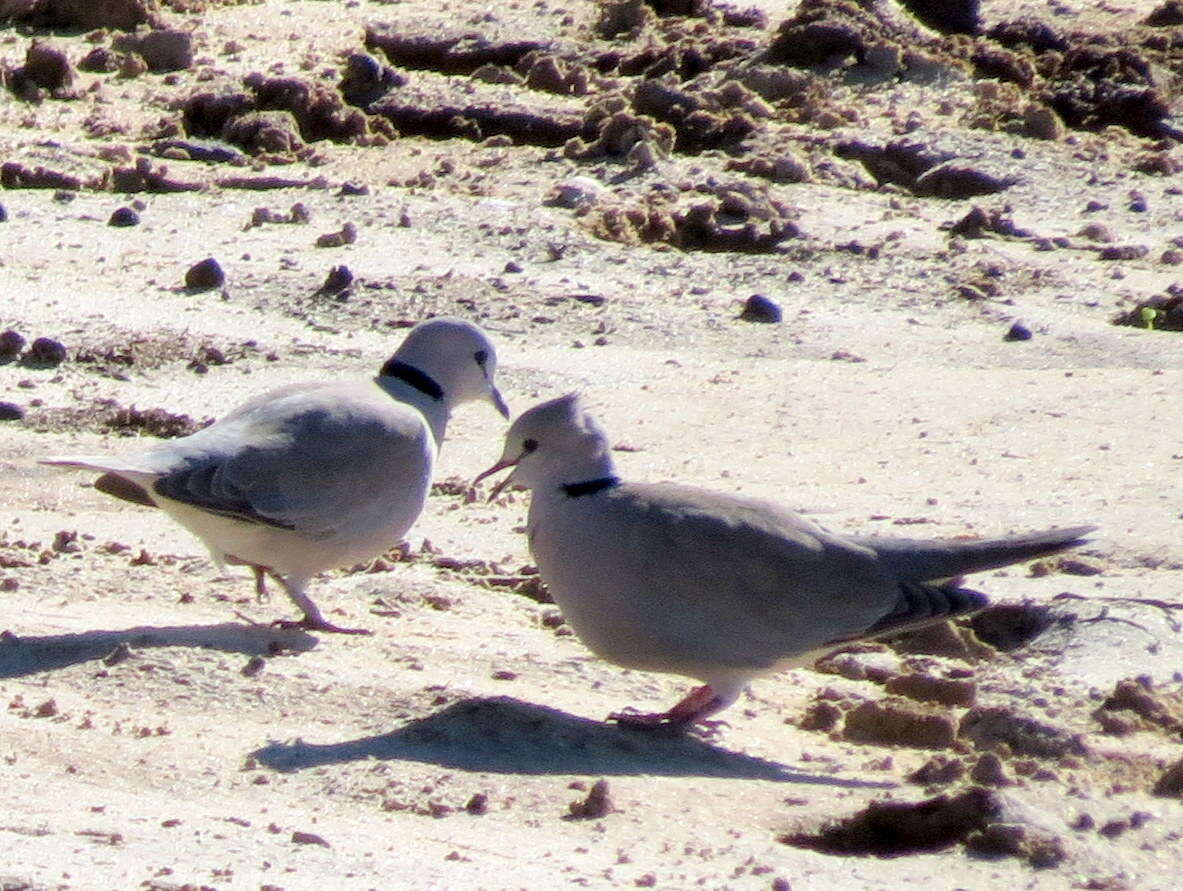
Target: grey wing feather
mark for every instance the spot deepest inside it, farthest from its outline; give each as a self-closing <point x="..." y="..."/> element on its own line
<point x="305" y="462"/>
<point x="766" y="584"/>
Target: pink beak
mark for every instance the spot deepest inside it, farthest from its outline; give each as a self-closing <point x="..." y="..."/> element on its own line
<point x="500" y="465"/>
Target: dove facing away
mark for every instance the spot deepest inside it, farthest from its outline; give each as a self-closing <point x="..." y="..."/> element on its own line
<point x="721" y="588"/>
<point x="312" y="476"/>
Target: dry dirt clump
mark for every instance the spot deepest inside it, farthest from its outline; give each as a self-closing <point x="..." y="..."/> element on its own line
<point x="991" y="728"/>
<point x="1135" y="704"/>
<point x="710" y="218"/>
<point x="276" y="115"/>
<point x="977" y="818"/>
<point x="1163" y="312"/>
<point x="124" y="15"/>
<point x="898" y="722"/>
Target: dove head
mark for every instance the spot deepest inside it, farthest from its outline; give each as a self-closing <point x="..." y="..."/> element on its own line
<point x="555" y="443"/>
<point x="449" y="355"/>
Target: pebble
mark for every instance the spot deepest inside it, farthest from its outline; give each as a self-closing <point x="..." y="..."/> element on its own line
<point x="10" y="411"/>
<point x="205" y="275"/>
<point x="124" y="216"/>
<point x="1017" y="331"/>
<point x="759" y="308"/>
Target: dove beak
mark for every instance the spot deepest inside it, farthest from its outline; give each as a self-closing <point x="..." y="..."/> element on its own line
<point x="498" y="402"/>
<point x="499" y="466"/>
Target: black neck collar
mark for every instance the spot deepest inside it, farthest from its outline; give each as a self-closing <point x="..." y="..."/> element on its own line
<point x="413" y="377"/>
<point x="590" y="487"/>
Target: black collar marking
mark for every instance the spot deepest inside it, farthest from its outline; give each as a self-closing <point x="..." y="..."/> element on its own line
<point x="412" y="376"/>
<point x="591" y="487"/>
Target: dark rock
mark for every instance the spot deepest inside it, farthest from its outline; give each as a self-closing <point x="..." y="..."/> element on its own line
<point x="124" y="15"/>
<point x="3" y="214"/>
<point x="1170" y="784"/>
<point x="205" y="275"/>
<point x="1017" y="331"/>
<point x="337" y="283"/>
<point x="124" y="216"/>
<point x="44" y="352"/>
<point x="759" y="308"/>
<point x="946" y="16"/>
<point x="366" y="79"/>
<point x="10" y="411"/>
<point x="99" y="60"/>
<point x="891" y="828"/>
<point x="11" y="344"/>
<point x="47" y="66"/>
<point x="1166" y="15"/>
<point x="169" y="49"/>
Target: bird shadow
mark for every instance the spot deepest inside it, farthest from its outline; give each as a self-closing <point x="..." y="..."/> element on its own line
<point x="505" y="735"/>
<point x="21" y="656"/>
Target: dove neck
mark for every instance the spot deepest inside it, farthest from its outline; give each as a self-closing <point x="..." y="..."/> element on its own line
<point x="413" y="377"/>
<point x="409" y="385"/>
<point x="590" y="487"/>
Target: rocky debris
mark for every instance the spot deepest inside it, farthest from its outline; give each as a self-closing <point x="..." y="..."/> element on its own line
<point x="159" y="422"/>
<point x="923" y="170"/>
<point x="1017" y="332"/>
<point x="1162" y="312"/>
<point x="205" y="275"/>
<point x="44" y="352"/>
<point x="338" y="283"/>
<point x="939" y="770"/>
<point x="275" y="116"/>
<point x="597" y="803"/>
<point x="347" y="234"/>
<point x="980" y="222"/>
<point x="758" y="308"/>
<point x="123" y="217"/>
<point x="717" y="217"/>
<point x="123" y="15"/>
<point x="1008" y="626"/>
<point x="946" y="16"/>
<point x="164" y="49"/>
<point x="46" y="68"/>
<point x="891" y="828"/>
<point x="1135" y="704"/>
<point x="366" y="80"/>
<point x="898" y="722"/>
<point x="1168" y="14"/>
<point x="10" y="411"/>
<point x="953" y="640"/>
<point x="445" y="53"/>
<point x="957" y="692"/>
<point x="11" y="344"/>
<point x="1170" y="784"/>
<point x="1040" y="849"/>
<point x="144" y="176"/>
<point x="991" y="727"/>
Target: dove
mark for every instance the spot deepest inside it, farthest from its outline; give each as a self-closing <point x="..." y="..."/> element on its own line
<point x="716" y="587"/>
<point x="316" y="475"/>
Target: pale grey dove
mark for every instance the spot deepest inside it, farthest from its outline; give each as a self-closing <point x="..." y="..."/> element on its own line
<point x="313" y="476"/>
<point x="721" y="588"/>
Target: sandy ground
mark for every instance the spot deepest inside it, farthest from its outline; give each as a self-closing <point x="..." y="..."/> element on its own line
<point x="153" y="737"/>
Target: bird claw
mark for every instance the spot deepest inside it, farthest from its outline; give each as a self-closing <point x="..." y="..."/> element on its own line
<point x="316" y="623"/>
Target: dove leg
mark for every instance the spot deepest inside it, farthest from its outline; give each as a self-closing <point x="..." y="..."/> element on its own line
<point x="313" y="620"/>
<point x="699" y="704"/>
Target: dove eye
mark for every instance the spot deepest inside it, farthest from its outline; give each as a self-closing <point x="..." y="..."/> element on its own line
<point x="529" y="445"/>
<point x="481" y="356"/>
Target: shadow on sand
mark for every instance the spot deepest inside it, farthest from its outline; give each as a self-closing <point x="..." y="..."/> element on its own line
<point x="506" y="735"/>
<point x="21" y="656"/>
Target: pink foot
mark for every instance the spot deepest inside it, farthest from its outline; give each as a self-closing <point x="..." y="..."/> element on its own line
<point x="699" y="704"/>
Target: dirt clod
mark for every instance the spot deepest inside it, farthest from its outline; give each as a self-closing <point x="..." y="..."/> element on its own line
<point x="898" y="722"/>
<point x="205" y="275"/>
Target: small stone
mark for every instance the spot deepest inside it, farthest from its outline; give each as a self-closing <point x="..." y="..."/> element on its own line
<point x="124" y="216"/>
<point x="338" y="281"/>
<point x="11" y="344"/>
<point x="3" y="214"/>
<point x="309" y="838"/>
<point x="759" y="308"/>
<point x="1170" y="784"/>
<point x="205" y="275"/>
<point x="253" y="666"/>
<point x="47" y="66"/>
<point x="10" y="411"/>
<point x="513" y="266"/>
<point x="990" y="771"/>
<point x="169" y="49"/>
<point x="478" y="804"/>
<point x="597" y="804"/>
<point x="45" y="352"/>
<point x="1017" y="331"/>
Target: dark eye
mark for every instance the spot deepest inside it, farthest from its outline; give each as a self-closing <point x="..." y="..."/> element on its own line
<point x="529" y="445"/>
<point x="481" y="357"/>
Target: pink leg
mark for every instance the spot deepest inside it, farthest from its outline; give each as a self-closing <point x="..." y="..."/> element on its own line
<point x="313" y="620"/>
<point x="698" y="704"/>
